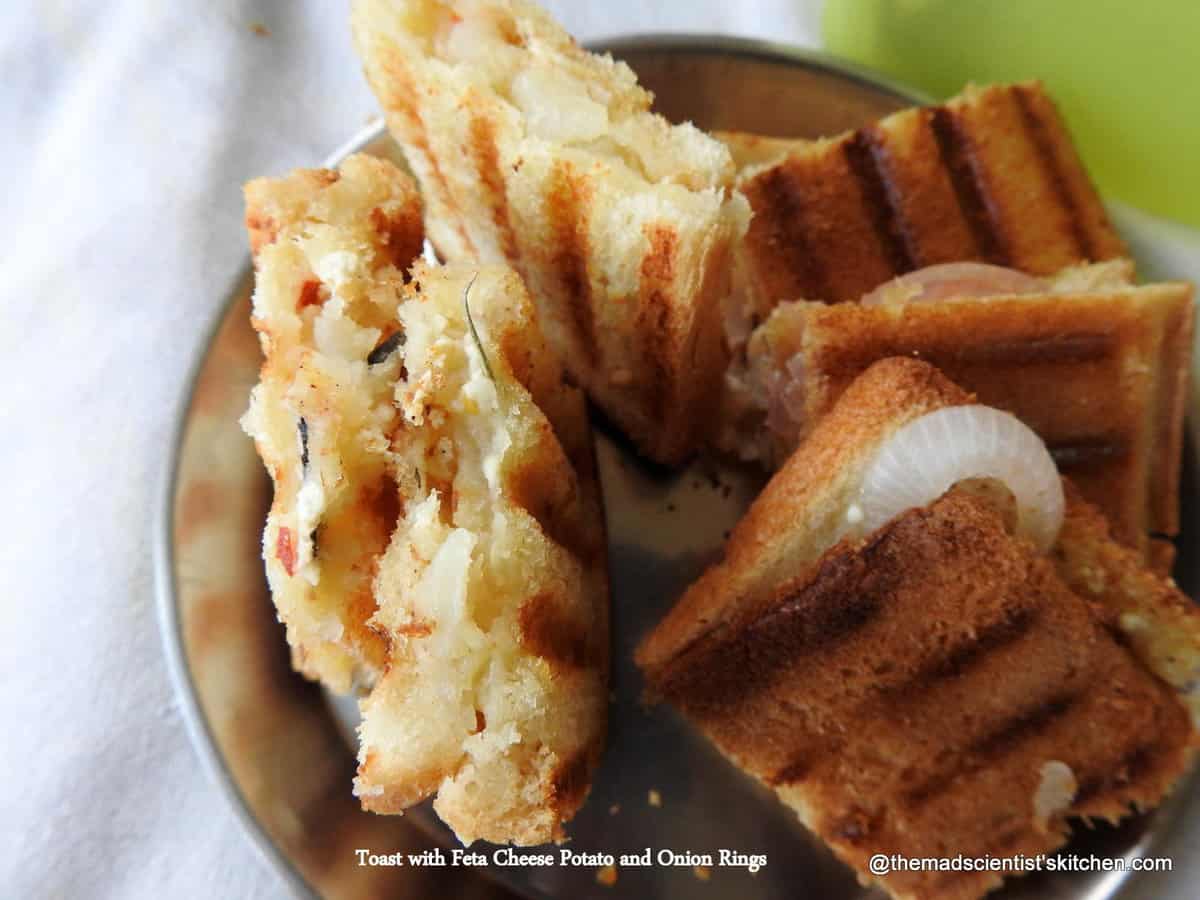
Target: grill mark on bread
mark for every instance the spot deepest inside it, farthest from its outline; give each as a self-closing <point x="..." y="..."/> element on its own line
<point x="993" y="745"/>
<point x="837" y="356"/>
<point x="720" y="668"/>
<point x="567" y="205"/>
<point x="1080" y="347"/>
<point x="547" y="631"/>
<point x="865" y="153"/>
<point x="965" y="351"/>
<point x="967" y="653"/>
<point x="403" y="102"/>
<point x="958" y="156"/>
<point x="482" y="136"/>
<point x="657" y="274"/>
<point x="1088" y="451"/>
<point x="571" y="779"/>
<point x="955" y="662"/>
<point x="1044" y="146"/>
<point x="1171" y="407"/>
<point x="1024" y="725"/>
<point x="557" y="508"/>
<point x="777" y="199"/>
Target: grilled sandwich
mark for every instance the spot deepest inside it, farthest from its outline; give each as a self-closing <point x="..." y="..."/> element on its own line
<point x="935" y="685"/>
<point x="330" y="250"/>
<point x="1098" y="367"/>
<point x="493" y="591"/>
<point x="436" y="537"/>
<point x="533" y="152"/>
<point x="989" y="176"/>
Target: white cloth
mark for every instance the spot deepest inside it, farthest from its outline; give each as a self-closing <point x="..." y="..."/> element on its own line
<point x="128" y="128"/>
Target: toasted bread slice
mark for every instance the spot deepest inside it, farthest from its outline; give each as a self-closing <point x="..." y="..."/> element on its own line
<point x="1102" y="376"/>
<point x="330" y="250"/>
<point x="531" y="151"/>
<point x="990" y="175"/>
<point x="493" y="591"/>
<point x="935" y="687"/>
<point x="436" y="537"/>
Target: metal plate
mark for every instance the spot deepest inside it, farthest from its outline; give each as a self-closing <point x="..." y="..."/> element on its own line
<point x="278" y="749"/>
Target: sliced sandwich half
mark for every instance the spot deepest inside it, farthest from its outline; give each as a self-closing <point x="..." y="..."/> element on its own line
<point x="1096" y="366"/>
<point x="331" y="248"/>
<point x="493" y="591"/>
<point x="989" y="176"/>
<point x="901" y="642"/>
<point x="533" y="152"/>
<point x="436" y="538"/>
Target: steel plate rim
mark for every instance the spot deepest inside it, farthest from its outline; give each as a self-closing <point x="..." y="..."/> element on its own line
<point x="170" y="627"/>
<point x="195" y="722"/>
<point x="760" y="49"/>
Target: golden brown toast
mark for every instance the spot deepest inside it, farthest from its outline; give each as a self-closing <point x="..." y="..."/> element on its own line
<point x="493" y="591"/>
<point x="1101" y="376"/>
<point x="316" y="234"/>
<point x="436" y="537"/>
<point x="919" y="689"/>
<point x="902" y="703"/>
<point x="533" y="152"/>
<point x="990" y="175"/>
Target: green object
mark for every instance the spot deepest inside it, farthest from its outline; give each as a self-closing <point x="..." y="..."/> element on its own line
<point x="1124" y="74"/>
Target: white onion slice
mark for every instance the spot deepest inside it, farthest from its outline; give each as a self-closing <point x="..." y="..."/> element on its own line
<point x="1055" y="792"/>
<point x="954" y="281"/>
<point x="930" y="454"/>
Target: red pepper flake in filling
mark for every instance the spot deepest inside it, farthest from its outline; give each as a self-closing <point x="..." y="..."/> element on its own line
<point x="310" y="294"/>
<point x="285" y="550"/>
